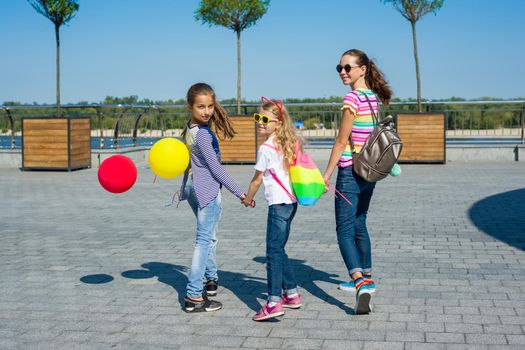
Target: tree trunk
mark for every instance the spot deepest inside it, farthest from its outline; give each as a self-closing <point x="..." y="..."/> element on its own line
<point x="238" y="72"/>
<point x="418" y="78"/>
<point x="57" y="37"/>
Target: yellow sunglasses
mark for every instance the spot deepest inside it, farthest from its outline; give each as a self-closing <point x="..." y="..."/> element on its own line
<point x="265" y="120"/>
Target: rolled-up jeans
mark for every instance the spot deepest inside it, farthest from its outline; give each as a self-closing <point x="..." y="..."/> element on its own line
<point x="352" y="233"/>
<point x="278" y="269"/>
<point x="203" y="263"/>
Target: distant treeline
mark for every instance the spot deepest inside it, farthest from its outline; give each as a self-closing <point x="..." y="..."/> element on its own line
<point x="134" y="100"/>
<point x="459" y="116"/>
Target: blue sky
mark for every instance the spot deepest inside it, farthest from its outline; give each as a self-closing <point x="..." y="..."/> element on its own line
<point x="155" y="49"/>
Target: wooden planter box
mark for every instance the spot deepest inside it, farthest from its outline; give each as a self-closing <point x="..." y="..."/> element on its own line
<point x="423" y="136"/>
<point x="56" y="143"/>
<point x="242" y="149"/>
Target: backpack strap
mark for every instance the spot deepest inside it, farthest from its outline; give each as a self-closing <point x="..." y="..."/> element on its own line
<point x="292" y="197"/>
<point x="275" y="176"/>
<point x="374" y="117"/>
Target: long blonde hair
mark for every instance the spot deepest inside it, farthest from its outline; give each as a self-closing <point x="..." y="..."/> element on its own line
<point x="219" y="122"/>
<point x="286" y="135"/>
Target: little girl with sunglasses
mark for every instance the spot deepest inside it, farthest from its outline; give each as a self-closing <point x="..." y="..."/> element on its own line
<point x="273" y="158"/>
<point x="202" y="189"/>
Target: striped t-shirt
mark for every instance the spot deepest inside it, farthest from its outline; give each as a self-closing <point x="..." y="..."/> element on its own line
<point x="363" y="125"/>
<point x="207" y="171"/>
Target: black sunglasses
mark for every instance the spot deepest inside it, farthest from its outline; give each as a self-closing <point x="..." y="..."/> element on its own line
<point x="346" y="67"/>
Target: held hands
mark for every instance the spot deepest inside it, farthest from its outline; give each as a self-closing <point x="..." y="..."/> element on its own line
<point x="247" y="203"/>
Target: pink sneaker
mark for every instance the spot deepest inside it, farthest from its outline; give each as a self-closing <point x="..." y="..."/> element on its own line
<point x="269" y="312"/>
<point x="292" y="302"/>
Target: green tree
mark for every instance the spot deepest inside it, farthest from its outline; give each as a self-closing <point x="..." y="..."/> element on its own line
<point x="59" y="12"/>
<point x="236" y="15"/>
<point x="413" y="11"/>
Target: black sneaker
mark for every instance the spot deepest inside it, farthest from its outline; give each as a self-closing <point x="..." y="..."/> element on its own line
<point x="362" y="301"/>
<point x="211" y="287"/>
<point x="205" y="305"/>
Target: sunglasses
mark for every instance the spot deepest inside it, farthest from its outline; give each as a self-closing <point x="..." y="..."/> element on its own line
<point x="346" y="67"/>
<point x="277" y="104"/>
<point x="265" y="120"/>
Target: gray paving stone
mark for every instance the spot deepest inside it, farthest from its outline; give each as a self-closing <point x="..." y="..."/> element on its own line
<point x="263" y="343"/>
<point x="485" y="339"/>
<point x="390" y="345"/>
<point x="405" y="336"/>
<point x="463" y="328"/>
<point x="300" y="344"/>
<point x="425" y="346"/>
<point x="467" y="347"/>
<point x="506" y="329"/>
<point x="444" y="337"/>
<point x="443" y="318"/>
<point x="426" y="326"/>
<point x="483" y="319"/>
<point x="60" y="229"/>
<point x="389" y="325"/>
<point x="516" y="339"/>
<point x="519" y="320"/>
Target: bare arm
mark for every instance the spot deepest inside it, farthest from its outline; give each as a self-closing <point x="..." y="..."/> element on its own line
<point x="340" y="143"/>
<point x="253" y="188"/>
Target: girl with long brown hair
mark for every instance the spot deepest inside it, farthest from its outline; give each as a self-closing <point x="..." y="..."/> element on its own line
<point x="202" y="189"/>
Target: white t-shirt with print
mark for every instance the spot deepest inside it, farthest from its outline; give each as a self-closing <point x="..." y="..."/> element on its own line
<point x="268" y="158"/>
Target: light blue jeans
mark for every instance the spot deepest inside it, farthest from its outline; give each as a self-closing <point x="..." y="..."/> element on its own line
<point x="203" y="262"/>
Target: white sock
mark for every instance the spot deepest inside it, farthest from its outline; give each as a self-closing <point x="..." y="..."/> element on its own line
<point x="291" y="295"/>
<point x="272" y="303"/>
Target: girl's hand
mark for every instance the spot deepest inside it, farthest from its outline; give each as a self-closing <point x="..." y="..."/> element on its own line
<point x="327" y="184"/>
<point x="247" y="203"/>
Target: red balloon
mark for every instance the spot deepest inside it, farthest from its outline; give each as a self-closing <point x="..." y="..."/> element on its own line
<point x="117" y="174"/>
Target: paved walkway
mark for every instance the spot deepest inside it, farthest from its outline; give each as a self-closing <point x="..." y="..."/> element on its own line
<point x="85" y="269"/>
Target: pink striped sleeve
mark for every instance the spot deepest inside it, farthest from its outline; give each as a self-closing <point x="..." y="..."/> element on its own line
<point x="351" y="101"/>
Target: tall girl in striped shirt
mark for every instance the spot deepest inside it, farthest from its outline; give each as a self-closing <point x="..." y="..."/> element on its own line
<point x="367" y="82"/>
<point x="201" y="186"/>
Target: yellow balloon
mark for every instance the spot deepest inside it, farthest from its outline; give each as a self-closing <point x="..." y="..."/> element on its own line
<point x="168" y="158"/>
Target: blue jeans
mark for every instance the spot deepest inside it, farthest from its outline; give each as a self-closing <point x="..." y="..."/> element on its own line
<point x="352" y="234"/>
<point x="279" y="271"/>
<point x="203" y="263"/>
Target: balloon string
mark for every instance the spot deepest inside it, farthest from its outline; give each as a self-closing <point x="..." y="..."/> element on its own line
<point x="155" y="178"/>
<point x="176" y="194"/>
<point x="178" y="197"/>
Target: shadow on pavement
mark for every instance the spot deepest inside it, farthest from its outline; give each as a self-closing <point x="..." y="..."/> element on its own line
<point x="172" y="275"/>
<point x="502" y="217"/>
<point x="306" y="277"/>
<point x="243" y="286"/>
<point x="96" y="279"/>
<point x="248" y="289"/>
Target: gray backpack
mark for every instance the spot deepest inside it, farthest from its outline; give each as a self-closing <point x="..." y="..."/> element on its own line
<point x="380" y="151"/>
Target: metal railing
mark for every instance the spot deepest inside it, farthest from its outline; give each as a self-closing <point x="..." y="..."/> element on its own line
<point x="115" y="126"/>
